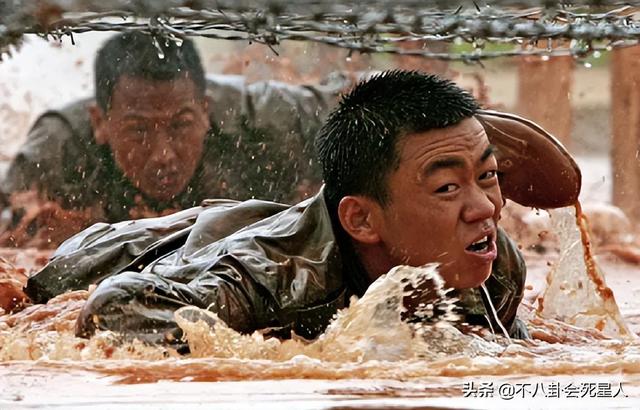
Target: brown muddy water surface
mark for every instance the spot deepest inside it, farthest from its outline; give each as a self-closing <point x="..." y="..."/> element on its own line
<point x="584" y="353"/>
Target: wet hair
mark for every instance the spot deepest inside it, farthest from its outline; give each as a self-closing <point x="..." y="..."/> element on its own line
<point x="357" y="145"/>
<point x="143" y="55"/>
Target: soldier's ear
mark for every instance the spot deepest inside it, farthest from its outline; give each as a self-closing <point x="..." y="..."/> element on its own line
<point x="98" y="123"/>
<point x="357" y="216"/>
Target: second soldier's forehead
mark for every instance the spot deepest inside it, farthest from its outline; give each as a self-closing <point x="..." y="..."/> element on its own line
<point x="136" y="94"/>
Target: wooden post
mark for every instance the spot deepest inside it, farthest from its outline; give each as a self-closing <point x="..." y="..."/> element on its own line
<point x="625" y="108"/>
<point x="544" y="93"/>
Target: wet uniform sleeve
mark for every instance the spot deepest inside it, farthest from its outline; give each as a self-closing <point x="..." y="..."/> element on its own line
<point x="103" y="250"/>
<point x="143" y="279"/>
<point x="273" y="267"/>
<point x="142" y="305"/>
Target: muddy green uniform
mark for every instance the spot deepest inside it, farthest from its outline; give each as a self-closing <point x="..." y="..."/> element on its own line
<point x="256" y="264"/>
<point x="260" y="146"/>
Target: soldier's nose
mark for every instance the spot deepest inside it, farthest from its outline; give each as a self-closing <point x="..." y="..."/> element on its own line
<point x="164" y="155"/>
<point x="478" y="207"/>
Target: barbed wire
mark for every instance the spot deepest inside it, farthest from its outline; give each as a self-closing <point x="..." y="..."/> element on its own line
<point x="371" y="26"/>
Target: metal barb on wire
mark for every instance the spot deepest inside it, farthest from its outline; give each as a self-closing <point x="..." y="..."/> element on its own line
<point x="368" y="26"/>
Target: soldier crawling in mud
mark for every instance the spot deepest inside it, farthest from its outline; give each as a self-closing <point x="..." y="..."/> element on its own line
<point x="159" y="136"/>
<point x="414" y="173"/>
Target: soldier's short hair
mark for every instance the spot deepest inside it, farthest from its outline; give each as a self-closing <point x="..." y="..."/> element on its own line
<point x="357" y="146"/>
<point x="146" y="56"/>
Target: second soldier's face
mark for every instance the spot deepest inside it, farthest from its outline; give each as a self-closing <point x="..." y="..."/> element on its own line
<point x="156" y="131"/>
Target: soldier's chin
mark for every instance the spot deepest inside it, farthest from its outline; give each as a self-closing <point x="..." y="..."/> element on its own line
<point x="162" y="193"/>
<point x="466" y="278"/>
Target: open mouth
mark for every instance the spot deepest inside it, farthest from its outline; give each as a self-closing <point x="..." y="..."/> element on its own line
<point x="167" y="179"/>
<point x="482" y="245"/>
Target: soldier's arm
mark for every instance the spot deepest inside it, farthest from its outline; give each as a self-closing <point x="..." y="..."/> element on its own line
<point x="143" y="305"/>
<point x="104" y="250"/>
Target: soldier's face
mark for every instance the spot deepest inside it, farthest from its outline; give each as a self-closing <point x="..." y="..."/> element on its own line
<point x="156" y="131"/>
<point x="445" y="203"/>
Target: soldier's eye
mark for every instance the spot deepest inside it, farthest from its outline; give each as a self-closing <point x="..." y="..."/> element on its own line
<point x="447" y="188"/>
<point x="138" y="129"/>
<point x="489" y="174"/>
<point x="177" y="125"/>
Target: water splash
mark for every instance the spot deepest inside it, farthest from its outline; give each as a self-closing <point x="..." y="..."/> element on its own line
<point x="371" y="328"/>
<point x="366" y="341"/>
<point x="576" y="292"/>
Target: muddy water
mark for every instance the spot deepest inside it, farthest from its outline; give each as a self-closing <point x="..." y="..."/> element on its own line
<point x="367" y="355"/>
